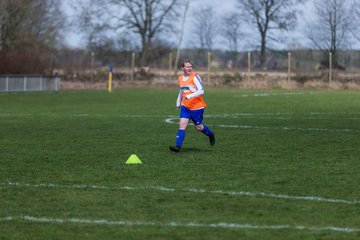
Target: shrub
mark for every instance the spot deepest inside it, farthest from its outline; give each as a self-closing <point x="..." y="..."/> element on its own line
<point x="228" y="78"/>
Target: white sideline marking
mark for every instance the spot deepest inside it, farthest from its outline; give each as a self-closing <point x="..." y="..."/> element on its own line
<point x="179" y="224"/>
<point x="282" y="115"/>
<point x="271" y="195"/>
<point x="242" y="114"/>
<point x="164" y="189"/>
<point x="85" y="115"/>
<point x="266" y="115"/>
<point x="174" y="120"/>
<point x="266" y="94"/>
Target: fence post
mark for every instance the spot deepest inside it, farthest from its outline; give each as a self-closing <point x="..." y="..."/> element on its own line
<point x="330" y="67"/>
<point x="209" y="67"/>
<point x="57" y="84"/>
<point x="7" y="84"/>
<point x="110" y="79"/>
<point x="92" y="66"/>
<point x="249" y="65"/>
<point x="132" y="66"/>
<point x="25" y="83"/>
<point x="289" y="66"/>
<point x="41" y="83"/>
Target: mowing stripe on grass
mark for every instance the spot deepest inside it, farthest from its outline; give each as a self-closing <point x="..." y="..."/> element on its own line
<point x="269" y="115"/>
<point x="192" y="190"/>
<point x="179" y="224"/>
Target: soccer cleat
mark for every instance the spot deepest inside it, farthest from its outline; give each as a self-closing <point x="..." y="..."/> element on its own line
<point x="212" y="139"/>
<point x="175" y="148"/>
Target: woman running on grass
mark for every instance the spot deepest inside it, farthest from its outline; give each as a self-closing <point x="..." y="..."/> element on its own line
<point x="191" y="104"/>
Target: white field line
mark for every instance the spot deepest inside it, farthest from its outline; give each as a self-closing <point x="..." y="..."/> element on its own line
<point x="174" y="120"/>
<point x="192" y="190"/>
<point x="265" y="94"/>
<point x="282" y="115"/>
<point x="225" y="115"/>
<point x="266" y="115"/>
<point x="179" y="224"/>
<point x="81" y="115"/>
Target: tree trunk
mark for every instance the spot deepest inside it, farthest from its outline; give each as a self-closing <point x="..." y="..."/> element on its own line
<point x="146" y="52"/>
<point x="263" y="50"/>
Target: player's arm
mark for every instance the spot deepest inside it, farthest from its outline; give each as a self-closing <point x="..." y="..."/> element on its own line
<point x="199" y="87"/>
<point x="178" y="100"/>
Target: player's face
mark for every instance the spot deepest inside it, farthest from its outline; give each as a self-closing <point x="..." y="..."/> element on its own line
<point x="187" y="68"/>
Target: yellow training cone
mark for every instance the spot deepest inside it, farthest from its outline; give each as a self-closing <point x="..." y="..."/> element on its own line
<point x="133" y="159"/>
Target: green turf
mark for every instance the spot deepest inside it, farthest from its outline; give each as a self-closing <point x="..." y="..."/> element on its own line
<point x="63" y="157"/>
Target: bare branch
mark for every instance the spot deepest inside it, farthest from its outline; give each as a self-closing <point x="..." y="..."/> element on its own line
<point x="267" y="15"/>
<point x="145" y="18"/>
<point x="332" y="25"/>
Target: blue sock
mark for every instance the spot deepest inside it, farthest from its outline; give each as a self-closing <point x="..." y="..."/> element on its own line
<point x="207" y="131"/>
<point x="180" y="137"/>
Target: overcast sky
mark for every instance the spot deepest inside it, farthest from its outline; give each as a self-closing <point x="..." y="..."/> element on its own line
<point x="290" y="39"/>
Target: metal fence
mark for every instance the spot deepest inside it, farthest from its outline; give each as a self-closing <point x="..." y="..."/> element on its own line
<point x="29" y="83"/>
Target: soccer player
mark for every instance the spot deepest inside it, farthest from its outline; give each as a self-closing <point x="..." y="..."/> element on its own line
<point x="191" y="104"/>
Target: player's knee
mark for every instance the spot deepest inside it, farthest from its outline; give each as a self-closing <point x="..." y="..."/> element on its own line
<point x="199" y="127"/>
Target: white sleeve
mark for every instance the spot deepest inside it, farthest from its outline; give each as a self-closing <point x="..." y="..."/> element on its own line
<point x="178" y="100"/>
<point x="199" y="86"/>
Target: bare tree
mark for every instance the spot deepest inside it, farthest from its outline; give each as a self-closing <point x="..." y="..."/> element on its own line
<point x="88" y="20"/>
<point x="35" y="23"/>
<point x="46" y="21"/>
<point x="268" y="15"/>
<point x="146" y="18"/>
<point x="331" y="28"/>
<point x="356" y="14"/>
<point x="205" y="24"/>
<point x="231" y="32"/>
<point x="12" y="18"/>
<point x="29" y="35"/>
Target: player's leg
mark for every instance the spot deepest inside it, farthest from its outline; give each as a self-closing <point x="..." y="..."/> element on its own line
<point x="180" y="136"/>
<point x="197" y="118"/>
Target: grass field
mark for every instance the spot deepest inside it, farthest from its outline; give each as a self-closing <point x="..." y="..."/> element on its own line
<point x="285" y="166"/>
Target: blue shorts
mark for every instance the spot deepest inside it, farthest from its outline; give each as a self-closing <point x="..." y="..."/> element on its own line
<point x="195" y="115"/>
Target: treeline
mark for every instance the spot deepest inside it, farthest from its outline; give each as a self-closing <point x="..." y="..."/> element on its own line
<point x="32" y="32"/>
